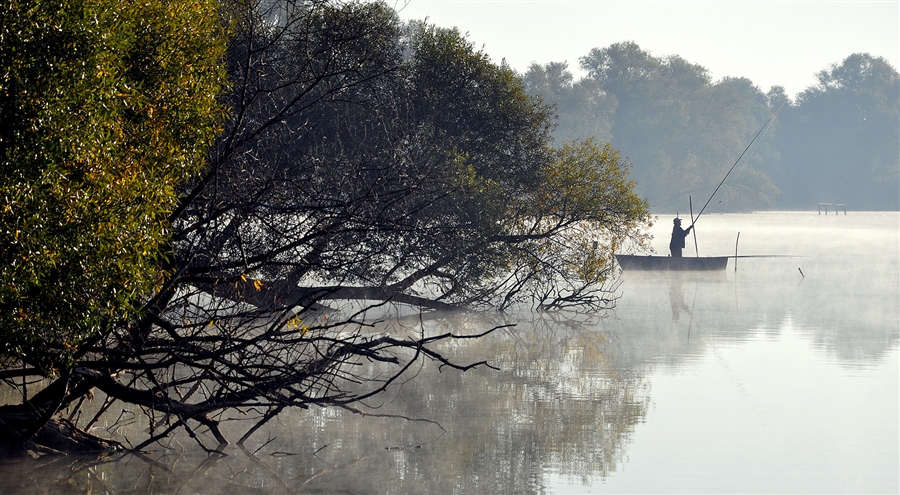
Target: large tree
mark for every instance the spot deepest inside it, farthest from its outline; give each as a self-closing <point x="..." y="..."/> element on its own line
<point x="107" y="110"/>
<point x="365" y="167"/>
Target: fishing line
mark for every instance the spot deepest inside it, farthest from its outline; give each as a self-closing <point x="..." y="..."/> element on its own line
<point x="739" y="158"/>
<point x="693" y="304"/>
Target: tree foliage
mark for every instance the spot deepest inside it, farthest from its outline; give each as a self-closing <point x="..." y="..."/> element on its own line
<point x="107" y="109"/>
<point x="840" y="142"/>
<point x="364" y="167"/>
<point x="584" y="110"/>
<point x="682" y="131"/>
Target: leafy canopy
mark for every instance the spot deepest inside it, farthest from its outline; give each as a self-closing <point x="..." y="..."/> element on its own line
<point x="107" y="108"/>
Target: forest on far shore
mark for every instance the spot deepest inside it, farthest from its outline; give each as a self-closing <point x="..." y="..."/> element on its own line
<point x="838" y="141"/>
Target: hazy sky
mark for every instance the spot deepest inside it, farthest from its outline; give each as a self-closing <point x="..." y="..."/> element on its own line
<point x="769" y="42"/>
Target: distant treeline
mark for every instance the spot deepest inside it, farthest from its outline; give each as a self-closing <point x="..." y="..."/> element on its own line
<point x="838" y="142"/>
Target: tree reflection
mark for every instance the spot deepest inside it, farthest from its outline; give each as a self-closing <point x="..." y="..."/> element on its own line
<point x="557" y="407"/>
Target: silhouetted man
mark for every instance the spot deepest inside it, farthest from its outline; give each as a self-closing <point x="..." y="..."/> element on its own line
<point x="678" y="235"/>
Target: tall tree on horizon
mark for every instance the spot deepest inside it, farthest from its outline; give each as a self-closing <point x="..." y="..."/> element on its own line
<point x="681" y="131"/>
<point x="583" y="110"/>
<point x="840" y="141"/>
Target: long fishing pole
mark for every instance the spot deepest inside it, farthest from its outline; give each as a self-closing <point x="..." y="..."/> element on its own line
<point x="739" y="158"/>
<point x="696" y="248"/>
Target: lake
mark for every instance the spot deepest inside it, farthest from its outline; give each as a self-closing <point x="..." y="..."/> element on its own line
<point x="778" y="376"/>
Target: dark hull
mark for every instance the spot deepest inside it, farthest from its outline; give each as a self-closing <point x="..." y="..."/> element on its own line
<point x="634" y="262"/>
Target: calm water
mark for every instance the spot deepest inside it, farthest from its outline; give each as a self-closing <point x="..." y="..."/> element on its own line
<point x="781" y="376"/>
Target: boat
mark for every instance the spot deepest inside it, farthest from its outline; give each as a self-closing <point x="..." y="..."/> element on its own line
<point x="708" y="264"/>
<point x="638" y="262"/>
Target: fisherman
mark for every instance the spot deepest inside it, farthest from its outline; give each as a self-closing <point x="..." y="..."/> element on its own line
<point x="678" y="235"/>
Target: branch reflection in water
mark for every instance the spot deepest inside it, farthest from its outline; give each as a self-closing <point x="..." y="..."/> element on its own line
<point x="556" y="401"/>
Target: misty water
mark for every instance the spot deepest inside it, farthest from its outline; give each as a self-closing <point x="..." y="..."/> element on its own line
<point x="779" y="376"/>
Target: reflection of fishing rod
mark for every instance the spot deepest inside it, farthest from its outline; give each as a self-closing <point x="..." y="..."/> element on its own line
<point x="739" y="158"/>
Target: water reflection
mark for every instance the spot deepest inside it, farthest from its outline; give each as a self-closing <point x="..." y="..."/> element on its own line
<point x="558" y="400"/>
<point x="676" y="296"/>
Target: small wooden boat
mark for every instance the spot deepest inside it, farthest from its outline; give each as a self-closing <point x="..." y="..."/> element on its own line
<point x="637" y="262"/>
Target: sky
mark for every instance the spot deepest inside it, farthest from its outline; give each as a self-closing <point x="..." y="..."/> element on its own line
<point x="783" y="43"/>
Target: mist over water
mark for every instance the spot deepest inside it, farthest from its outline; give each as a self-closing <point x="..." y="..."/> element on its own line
<point x="780" y="376"/>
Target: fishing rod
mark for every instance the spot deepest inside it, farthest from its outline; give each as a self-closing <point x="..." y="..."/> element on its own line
<point x="739" y="159"/>
<point x="696" y="247"/>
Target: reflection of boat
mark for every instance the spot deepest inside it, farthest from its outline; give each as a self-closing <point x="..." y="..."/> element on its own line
<point x="636" y="262"/>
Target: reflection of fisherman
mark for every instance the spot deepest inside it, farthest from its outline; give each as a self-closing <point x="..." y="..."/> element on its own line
<point x="676" y="298"/>
<point x="678" y="235"/>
